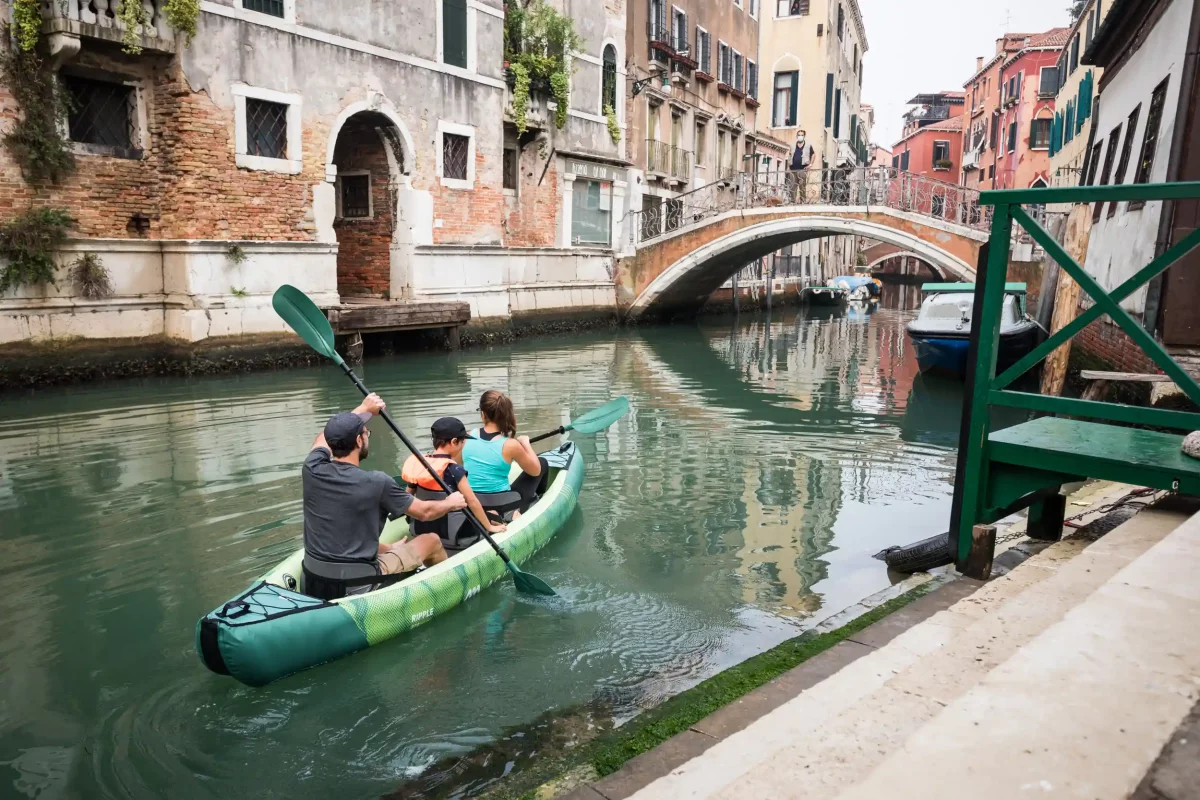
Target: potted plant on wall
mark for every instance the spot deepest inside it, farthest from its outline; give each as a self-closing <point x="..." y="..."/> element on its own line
<point x="943" y="164"/>
<point x="537" y="44"/>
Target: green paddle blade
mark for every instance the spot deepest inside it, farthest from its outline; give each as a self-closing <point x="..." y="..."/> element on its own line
<point x="309" y="322"/>
<point x="601" y="418"/>
<point x="528" y="584"/>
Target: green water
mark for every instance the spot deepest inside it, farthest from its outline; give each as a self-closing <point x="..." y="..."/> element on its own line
<point x="760" y="467"/>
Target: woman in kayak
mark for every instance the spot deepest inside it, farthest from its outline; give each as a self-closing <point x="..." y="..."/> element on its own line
<point x="488" y="457"/>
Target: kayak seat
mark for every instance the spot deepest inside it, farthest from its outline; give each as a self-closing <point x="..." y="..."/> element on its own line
<point x="333" y="580"/>
<point x="500" y="505"/>
<point x="450" y="528"/>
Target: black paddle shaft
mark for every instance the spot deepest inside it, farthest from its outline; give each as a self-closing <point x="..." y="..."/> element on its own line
<point x="544" y="436"/>
<point x="413" y="448"/>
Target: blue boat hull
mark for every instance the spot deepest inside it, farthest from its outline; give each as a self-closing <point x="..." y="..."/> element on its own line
<point x="947" y="355"/>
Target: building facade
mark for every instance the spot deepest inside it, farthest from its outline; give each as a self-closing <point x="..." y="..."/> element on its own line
<point x="931" y="144"/>
<point x="1075" y="99"/>
<point x="1006" y="142"/>
<point x="371" y="154"/>
<point x="812" y="52"/>
<point x="1146" y="130"/>
<point x="693" y="95"/>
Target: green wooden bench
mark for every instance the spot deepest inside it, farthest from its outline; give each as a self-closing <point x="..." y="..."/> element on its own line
<point x="1028" y="463"/>
<point x="1025" y="466"/>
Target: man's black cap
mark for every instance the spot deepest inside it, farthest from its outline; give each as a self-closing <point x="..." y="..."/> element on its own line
<point x="448" y="428"/>
<point x="343" y="429"/>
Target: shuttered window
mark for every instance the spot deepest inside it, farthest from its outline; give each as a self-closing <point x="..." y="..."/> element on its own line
<point x="783" y="110"/>
<point x="829" y="100"/>
<point x="837" y="114"/>
<point x="454" y="32"/>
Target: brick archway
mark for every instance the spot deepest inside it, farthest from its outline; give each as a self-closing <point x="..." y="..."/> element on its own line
<point x="680" y="273"/>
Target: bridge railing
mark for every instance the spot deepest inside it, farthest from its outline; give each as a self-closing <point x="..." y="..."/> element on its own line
<point x="862" y="186"/>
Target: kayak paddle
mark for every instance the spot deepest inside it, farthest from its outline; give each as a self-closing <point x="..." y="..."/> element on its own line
<point x="593" y="421"/>
<point x="309" y="322"/>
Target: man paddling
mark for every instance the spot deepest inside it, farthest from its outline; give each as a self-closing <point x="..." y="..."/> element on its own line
<point x="346" y="507"/>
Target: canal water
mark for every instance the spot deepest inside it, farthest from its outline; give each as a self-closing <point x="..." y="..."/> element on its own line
<point x="762" y="464"/>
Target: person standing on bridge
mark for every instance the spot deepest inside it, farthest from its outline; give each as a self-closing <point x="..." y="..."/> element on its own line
<point x="802" y="157"/>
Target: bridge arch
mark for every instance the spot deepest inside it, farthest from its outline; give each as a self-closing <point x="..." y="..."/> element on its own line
<point x="901" y="254"/>
<point x="688" y="282"/>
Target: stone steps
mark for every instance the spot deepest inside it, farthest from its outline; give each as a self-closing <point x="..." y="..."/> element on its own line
<point x="824" y="741"/>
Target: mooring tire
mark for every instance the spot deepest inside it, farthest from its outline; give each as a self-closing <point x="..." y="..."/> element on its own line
<point x="919" y="556"/>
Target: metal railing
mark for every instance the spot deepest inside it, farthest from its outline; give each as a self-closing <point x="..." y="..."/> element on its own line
<point x="681" y="164"/>
<point x="861" y="186"/>
<point x="658" y="157"/>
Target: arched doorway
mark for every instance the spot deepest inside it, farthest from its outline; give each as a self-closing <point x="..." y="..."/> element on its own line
<point x="369" y="162"/>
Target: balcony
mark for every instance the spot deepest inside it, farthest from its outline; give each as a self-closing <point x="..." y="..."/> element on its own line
<point x="667" y="161"/>
<point x="926" y="115"/>
<point x="662" y="38"/>
<point x="972" y="158"/>
<point x="66" y="21"/>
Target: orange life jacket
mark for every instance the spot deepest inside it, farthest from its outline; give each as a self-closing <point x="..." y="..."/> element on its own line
<point x="414" y="474"/>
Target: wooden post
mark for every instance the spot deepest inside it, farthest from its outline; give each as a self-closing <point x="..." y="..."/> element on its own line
<point x="1066" y="299"/>
<point x="453" y="338"/>
<point x="737" y="301"/>
<point x="978" y="563"/>
<point x="354" y="348"/>
<point x="1046" y="518"/>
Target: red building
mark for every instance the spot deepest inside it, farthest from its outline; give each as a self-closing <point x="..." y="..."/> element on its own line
<point x="1011" y="112"/>
<point x="932" y="141"/>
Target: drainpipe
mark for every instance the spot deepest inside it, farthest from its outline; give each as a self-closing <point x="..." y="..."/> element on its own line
<point x="1189" y="90"/>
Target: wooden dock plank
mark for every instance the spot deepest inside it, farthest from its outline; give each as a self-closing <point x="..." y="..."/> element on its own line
<point x="389" y="316"/>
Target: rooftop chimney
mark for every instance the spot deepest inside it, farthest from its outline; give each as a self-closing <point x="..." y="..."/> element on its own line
<point x="978" y="63"/>
<point x="1000" y="44"/>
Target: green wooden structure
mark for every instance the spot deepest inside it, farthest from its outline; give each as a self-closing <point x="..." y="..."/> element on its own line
<point x="1003" y="471"/>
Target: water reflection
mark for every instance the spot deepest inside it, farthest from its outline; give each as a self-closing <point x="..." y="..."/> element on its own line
<point x="764" y="460"/>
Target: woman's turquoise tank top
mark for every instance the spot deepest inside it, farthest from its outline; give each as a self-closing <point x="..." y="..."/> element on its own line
<point x="484" y="460"/>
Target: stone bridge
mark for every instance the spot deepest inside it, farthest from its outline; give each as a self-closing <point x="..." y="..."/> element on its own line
<point x="685" y="247"/>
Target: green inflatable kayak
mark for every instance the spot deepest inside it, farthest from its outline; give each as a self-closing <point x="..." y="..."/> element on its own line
<point x="270" y="631"/>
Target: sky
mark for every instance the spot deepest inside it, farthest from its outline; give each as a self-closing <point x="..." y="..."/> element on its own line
<point x="931" y="45"/>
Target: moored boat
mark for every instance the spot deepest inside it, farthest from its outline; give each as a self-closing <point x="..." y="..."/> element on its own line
<point x="941" y="334"/>
<point x="858" y="287"/>
<point x="824" y="295"/>
<point x="273" y="629"/>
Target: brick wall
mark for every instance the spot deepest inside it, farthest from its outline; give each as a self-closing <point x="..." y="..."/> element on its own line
<point x="472" y="216"/>
<point x="364" y="245"/>
<point x="1107" y="342"/>
<point x="530" y="217"/>
<point x="187" y="181"/>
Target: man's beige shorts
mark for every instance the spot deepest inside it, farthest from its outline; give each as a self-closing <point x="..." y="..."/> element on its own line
<point x="401" y="558"/>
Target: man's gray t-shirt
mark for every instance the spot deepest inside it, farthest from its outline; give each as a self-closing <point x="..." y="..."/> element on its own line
<point x="345" y="508"/>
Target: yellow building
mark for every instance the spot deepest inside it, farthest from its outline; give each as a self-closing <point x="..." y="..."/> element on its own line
<point x="1078" y="87"/>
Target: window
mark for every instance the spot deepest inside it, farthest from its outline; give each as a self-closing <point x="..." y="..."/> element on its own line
<point x="679" y="30"/>
<point x="829" y="100"/>
<point x="591" y="212"/>
<point x="1039" y="134"/>
<point x="754" y="8"/>
<point x="904" y="161"/>
<point x="1110" y="154"/>
<point x="701" y="144"/>
<point x="1075" y="53"/>
<point x="454" y="32"/>
<point x="1093" y="165"/>
<point x="266" y="128"/>
<point x="724" y="64"/>
<point x="994" y="137"/>
<point x="608" y="81"/>
<point x="1012" y="137"/>
<point x="895" y="162"/>
<point x="837" y="114"/>
<point x="1091" y="27"/>
<point x="784" y="100"/>
<point x="841" y="29"/>
<point x="941" y="155"/>
<point x="1048" y="82"/>
<point x="703" y="51"/>
<point x="102" y="114"/>
<point x="992" y="172"/>
<point x="738" y="71"/>
<point x="1150" y="142"/>
<point x="791" y="8"/>
<point x="456" y="155"/>
<point x="722" y="151"/>
<point x="1126" y="152"/>
<point x="658" y="21"/>
<point x="273" y="7"/>
<point x="354" y="195"/>
<point x="854" y="61"/>
<point x="512" y="168"/>
<point x="751" y="79"/>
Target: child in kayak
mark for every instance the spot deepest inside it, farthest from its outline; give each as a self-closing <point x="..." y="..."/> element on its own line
<point x="449" y="436"/>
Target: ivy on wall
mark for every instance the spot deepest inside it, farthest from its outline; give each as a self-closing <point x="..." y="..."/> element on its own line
<point x="36" y="139"/>
<point x="28" y="243"/>
<point x="538" y="42"/>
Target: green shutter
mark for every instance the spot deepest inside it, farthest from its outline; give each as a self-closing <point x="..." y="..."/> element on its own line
<point x="829" y="100"/>
<point x="793" y="118"/>
<point x="837" y="114"/>
<point x="854" y="131"/>
<point x="454" y="32"/>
